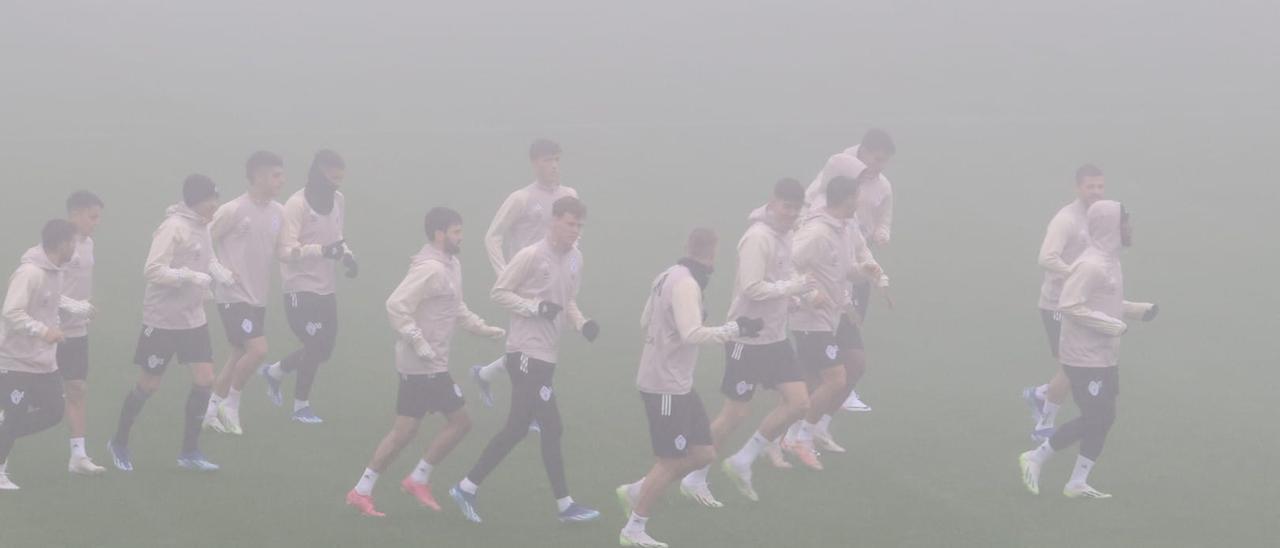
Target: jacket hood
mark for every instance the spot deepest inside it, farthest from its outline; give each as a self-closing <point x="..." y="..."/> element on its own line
<point x="1103" y="219"/>
<point x="37" y="256"/>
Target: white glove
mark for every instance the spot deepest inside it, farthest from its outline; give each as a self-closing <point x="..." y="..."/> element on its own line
<point x="528" y="309"/>
<point x="78" y="309"/>
<point x="729" y="331"/>
<point x="491" y="332"/>
<point x="198" y="279"/>
<point x="423" y="349"/>
<point x="883" y="282"/>
<point x="221" y="274"/>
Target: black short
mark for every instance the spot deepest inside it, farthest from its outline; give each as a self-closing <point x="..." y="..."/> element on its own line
<point x="1053" y="328"/>
<point x="676" y="423"/>
<point x="422" y="394"/>
<point x="817" y="350"/>
<point x="242" y="322"/>
<point x="313" y="318"/>
<point x="73" y="358"/>
<point x="848" y="335"/>
<point x="749" y="366"/>
<point x="156" y="347"/>
<point x="33" y="390"/>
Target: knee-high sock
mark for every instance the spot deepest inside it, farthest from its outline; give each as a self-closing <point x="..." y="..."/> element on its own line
<point x="197" y="401"/>
<point x="133" y="403"/>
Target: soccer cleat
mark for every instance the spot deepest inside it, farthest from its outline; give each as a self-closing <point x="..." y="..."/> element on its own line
<point x="700" y="494"/>
<point x="1035" y="402"/>
<point x="823" y="440"/>
<point x="535" y="427"/>
<point x="804" y="453"/>
<point x="195" y="461"/>
<point x="1083" y="491"/>
<point x="577" y="513"/>
<point x="120" y="456"/>
<point x="853" y="403"/>
<point x="486" y="389"/>
<point x="84" y="466"/>
<point x="306" y="416"/>
<point x="624" y="499"/>
<point x="466" y="503"/>
<point x="214" y="422"/>
<point x="1041" y="435"/>
<point x="420" y="492"/>
<point x="273" y="386"/>
<point x="363" y="504"/>
<point x="639" y="539"/>
<point x="774" y="453"/>
<point x="741" y="479"/>
<point x="229" y="417"/>
<point x="7" y="484"/>
<point x="1030" y="472"/>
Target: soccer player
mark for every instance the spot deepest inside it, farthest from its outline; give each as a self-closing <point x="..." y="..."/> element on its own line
<point x="1064" y="241"/>
<point x="823" y="250"/>
<point x="311" y="245"/>
<point x="179" y="271"/>
<point x="764" y="287"/>
<point x="520" y="222"/>
<point x="30" y="385"/>
<point x="424" y="310"/>
<point x="84" y="211"/>
<point x="540" y="289"/>
<point x="245" y="232"/>
<point x="679" y="429"/>
<point x="1092" y="306"/>
<point x="866" y="162"/>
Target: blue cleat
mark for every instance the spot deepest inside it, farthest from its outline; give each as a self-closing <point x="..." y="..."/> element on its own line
<point x="486" y="389"/>
<point x="1041" y="435"/>
<point x="1035" y="402"/>
<point x="120" y="456"/>
<point x="273" y="386"/>
<point x="306" y="416"/>
<point x="466" y="503"/>
<point x="195" y="461"/>
<point x="577" y="513"/>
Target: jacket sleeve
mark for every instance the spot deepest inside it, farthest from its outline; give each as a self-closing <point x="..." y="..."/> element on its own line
<point x="495" y="237"/>
<point x="1082" y="281"/>
<point x="686" y="302"/>
<point x="509" y="280"/>
<point x="753" y="261"/>
<point x="404" y="301"/>
<point x="157" y="269"/>
<point x="1055" y="240"/>
<point x="1136" y="310"/>
<point x="24" y="283"/>
<point x="289" y="248"/>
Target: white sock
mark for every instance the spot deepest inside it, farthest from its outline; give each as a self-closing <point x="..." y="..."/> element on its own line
<point x="365" y="485"/>
<point x="697" y="477"/>
<point x="495" y="368"/>
<point x="422" y="473"/>
<point x="1049" y="415"/>
<point x="468" y="486"/>
<point x="212" y="410"/>
<point x="275" y="372"/>
<point x="1080" y="476"/>
<point x="77" y="448"/>
<point x="824" y="424"/>
<point x="750" y="450"/>
<point x="636" y="523"/>
<point x="233" y="399"/>
<point x="806" y="431"/>
<point x="564" y="503"/>
<point x="793" y="432"/>
<point x="1043" y="453"/>
<point x="1042" y="390"/>
<point x="299" y="405"/>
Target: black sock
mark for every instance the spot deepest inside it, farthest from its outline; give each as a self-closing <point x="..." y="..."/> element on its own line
<point x="197" y="404"/>
<point x="132" y="406"/>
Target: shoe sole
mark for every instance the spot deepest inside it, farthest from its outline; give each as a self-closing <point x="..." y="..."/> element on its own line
<point x="1024" y="465"/>
<point x="470" y="515"/>
<point x="87" y="473"/>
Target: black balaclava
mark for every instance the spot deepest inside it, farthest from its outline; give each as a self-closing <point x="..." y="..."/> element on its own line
<point x="319" y="190"/>
<point x="701" y="272"/>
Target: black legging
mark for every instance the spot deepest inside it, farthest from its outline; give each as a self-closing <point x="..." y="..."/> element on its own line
<point x="32" y="403"/>
<point x="314" y="319"/>
<point x="1094" y="390"/>
<point x="532" y="397"/>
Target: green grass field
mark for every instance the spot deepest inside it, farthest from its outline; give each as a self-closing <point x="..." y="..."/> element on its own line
<point x="662" y="135"/>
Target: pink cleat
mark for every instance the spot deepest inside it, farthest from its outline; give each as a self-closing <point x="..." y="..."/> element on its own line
<point x="803" y="452"/>
<point x="421" y="492"/>
<point x="363" y="504"/>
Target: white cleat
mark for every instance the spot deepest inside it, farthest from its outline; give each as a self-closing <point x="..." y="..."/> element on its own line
<point x="639" y="539"/>
<point x="230" y="419"/>
<point x="701" y="494"/>
<point x="853" y="403"/>
<point x="1030" y="472"/>
<point x="84" y="466"/>
<point x="1083" y="491"/>
<point x="7" y="484"/>
<point x="211" y="422"/>
<point x="824" y="442"/>
<point x="741" y="477"/>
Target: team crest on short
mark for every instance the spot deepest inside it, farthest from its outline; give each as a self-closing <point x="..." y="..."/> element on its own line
<point x="832" y="351"/>
<point x="1095" y="387"/>
<point x="680" y="442"/>
<point x="247" y="326"/>
<point x="148" y="331"/>
<point x="16" y="396"/>
<point x="314" y="327"/>
<point x="154" y="362"/>
<point x="744" y="387"/>
<point x="457" y="390"/>
<point x="545" y="393"/>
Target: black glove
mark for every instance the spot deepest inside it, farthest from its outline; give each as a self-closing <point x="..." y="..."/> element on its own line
<point x="353" y="268"/>
<point x="548" y="310"/>
<point x="1151" y="314"/>
<point x="591" y="330"/>
<point x="334" y="250"/>
<point x="749" y="327"/>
